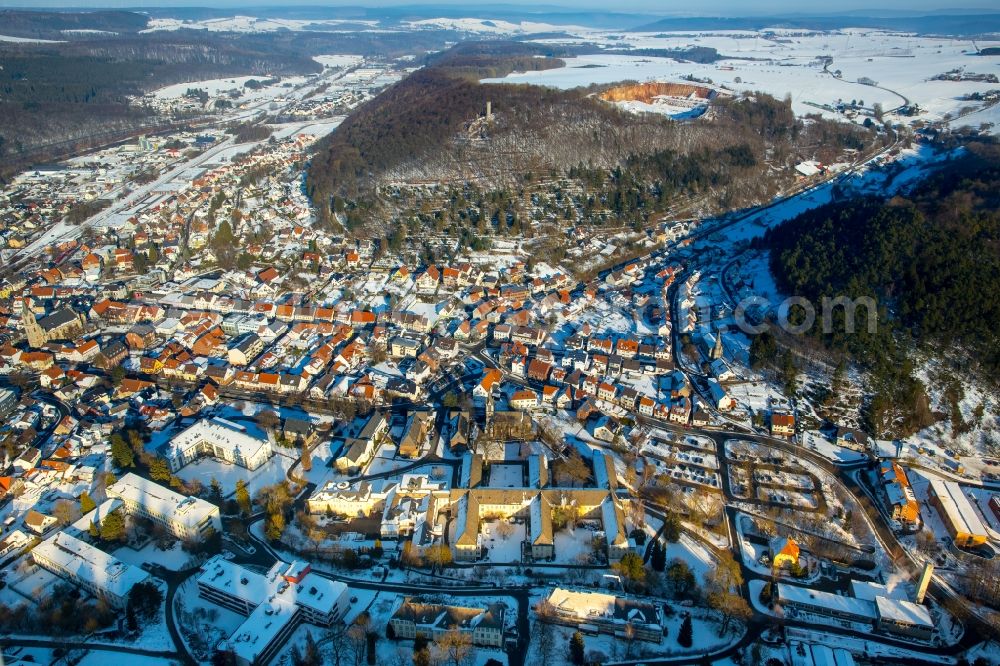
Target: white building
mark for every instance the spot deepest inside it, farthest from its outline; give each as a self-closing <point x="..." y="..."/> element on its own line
<point x="274" y="603"/>
<point x="94" y="570"/>
<point x="220" y="439"/>
<point x="606" y="613"/>
<point x="349" y="499"/>
<point x="187" y="518"/>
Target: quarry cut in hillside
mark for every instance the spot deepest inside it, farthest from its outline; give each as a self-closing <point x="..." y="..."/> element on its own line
<point x="647" y="93"/>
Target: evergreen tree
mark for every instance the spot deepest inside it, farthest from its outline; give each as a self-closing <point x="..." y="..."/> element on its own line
<point x="659" y="556"/>
<point x="158" y="470"/>
<point x="306" y="458"/>
<point x="113" y="527"/>
<point x="243" y="497"/>
<point x="144" y="600"/>
<point x="685" y="637"/>
<point x="275" y="526"/>
<point x="311" y="656"/>
<point x="577" y="650"/>
<point x="216" y="492"/>
<point x="672" y="528"/>
<point x="121" y="453"/>
<point x="86" y="503"/>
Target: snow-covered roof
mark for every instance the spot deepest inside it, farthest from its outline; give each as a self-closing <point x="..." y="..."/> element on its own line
<point x="161" y="501"/>
<point x="314" y="592"/>
<point x="79" y="560"/>
<point x="221" y="434"/>
<point x="904" y="612"/>
<point x="863" y="589"/>
<point x="805" y="596"/>
<point x="541" y="521"/>
<point x="260" y="629"/>
<point x="233" y="580"/>
<point x="957" y="509"/>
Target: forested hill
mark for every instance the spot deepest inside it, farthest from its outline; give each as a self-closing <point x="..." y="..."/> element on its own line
<point x="431" y="129"/>
<point x="58" y="98"/>
<point x="932" y="259"/>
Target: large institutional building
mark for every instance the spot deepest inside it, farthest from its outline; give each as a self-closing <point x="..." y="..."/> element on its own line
<point x="431" y="621"/>
<point x="274" y="603"/>
<point x="219" y="439"/>
<point x="91" y="568"/>
<point x="605" y="613"/>
<point x="885" y="609"/>
<point x="412" y="508"/>
<point x="188" y="518"/>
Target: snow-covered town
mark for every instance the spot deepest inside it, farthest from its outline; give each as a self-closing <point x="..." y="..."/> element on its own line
<point x="234" y="434"/>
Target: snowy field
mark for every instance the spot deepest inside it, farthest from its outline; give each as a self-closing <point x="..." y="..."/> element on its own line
<point x="574" y="545"/>
<point x="339" y="60"/>
<point x="693" y="554"/>
<point x="247" y="24"/>
<point x="216" y="87"/>
<point x="901" y="65"/>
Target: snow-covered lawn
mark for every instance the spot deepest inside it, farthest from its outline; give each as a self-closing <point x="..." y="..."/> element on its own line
<point x="502" y="547"/>
<point x="695" y="555"/>
<point x="506" y="476"/>
<point x="271" y="472"/>
<point x="174" y="558"/>
<point x="827" y="449"/>
<point x="574" y="546"/>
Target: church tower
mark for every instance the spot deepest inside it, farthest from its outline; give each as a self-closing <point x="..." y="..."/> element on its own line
<point x="717" y="349"/>
<point x="36" y="335"/>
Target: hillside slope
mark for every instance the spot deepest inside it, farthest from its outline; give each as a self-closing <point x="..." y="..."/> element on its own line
<point x="432" y="128"/>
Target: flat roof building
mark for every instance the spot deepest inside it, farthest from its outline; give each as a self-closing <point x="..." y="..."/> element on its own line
<point x="274" y="603"/>
<point x="609" y="613"/>
<point x="99" y="573"/>
<point x="886" y="609"/>
<point x="220" y="439"/>
<point x="957" y="513"/>
<point x="188" y="518"/>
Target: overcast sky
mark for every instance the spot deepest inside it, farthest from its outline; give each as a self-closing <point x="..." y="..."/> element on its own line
<point x="683" y="7"/>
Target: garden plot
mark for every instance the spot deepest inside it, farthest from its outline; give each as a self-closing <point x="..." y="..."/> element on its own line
<point x="739" y="482"/>
<point x="658" y="448"/>
<point x="689" y="473"/>
<point x="783" y="479"/>
<point x="743" y="451"/>
<point x="792" y="498"/>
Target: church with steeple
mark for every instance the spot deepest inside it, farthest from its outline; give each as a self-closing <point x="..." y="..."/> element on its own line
<point x="62" y="324"/>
